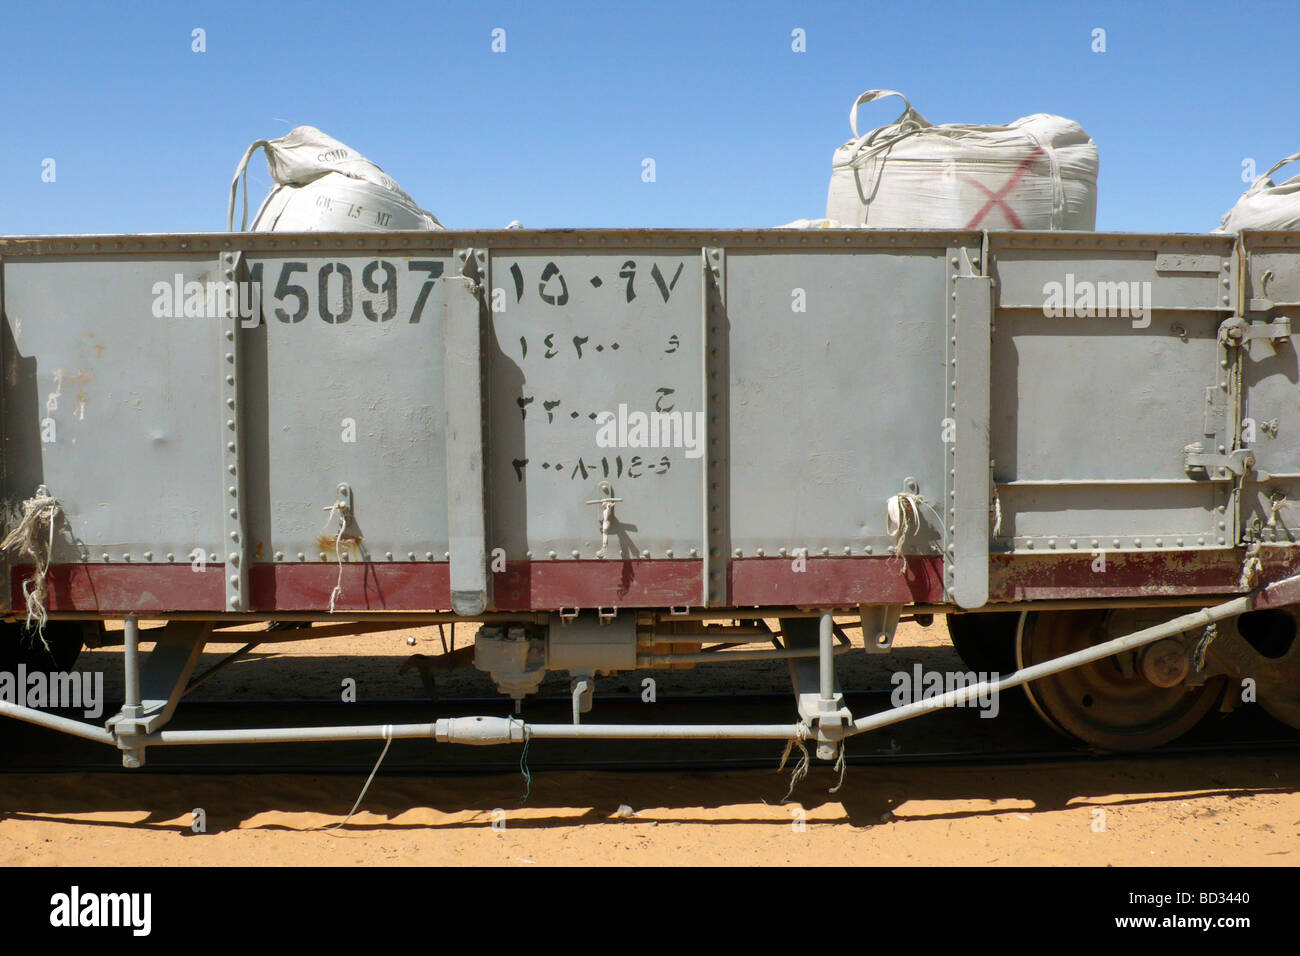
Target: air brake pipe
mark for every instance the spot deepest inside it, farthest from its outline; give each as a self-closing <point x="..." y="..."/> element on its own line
<point x="478" y="730"/>
<point x="65" y="725"/>
<point x="1150" y="635"/>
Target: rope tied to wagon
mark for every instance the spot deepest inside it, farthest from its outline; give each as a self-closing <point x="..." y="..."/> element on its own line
<point x="34" y="535"/>
<point x="1251" y="566"/>
<point x="339" y="508"/>
<point x="841" y="764"/>
<point x="801" y="768"/>
<point x="903" y="518"/>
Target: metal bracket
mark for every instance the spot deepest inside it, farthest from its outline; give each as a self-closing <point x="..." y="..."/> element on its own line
<point x="154" y="689"/>
<point x="879" y="622"/>
<point x="820" y="700"/>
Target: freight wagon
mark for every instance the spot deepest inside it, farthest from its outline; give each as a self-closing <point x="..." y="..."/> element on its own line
<point x="628" y="449"/>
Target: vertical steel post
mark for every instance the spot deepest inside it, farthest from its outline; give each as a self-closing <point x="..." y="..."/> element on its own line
<point x="127" y="727"/>
<point x="131" y="662"/>
<point x="826" y="656"/>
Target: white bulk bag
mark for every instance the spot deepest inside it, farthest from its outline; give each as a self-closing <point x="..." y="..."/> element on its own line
<point x="1039" y="172"/>
<point x="322" y="185"/>
<point x="1266" y="206"/>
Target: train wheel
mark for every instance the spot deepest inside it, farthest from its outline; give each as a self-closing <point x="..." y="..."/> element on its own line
<point x="55" y="649"/>
<point x="985" y="642"/>
<point x="1266" y="649"/>
<point x="1131" y="701"/>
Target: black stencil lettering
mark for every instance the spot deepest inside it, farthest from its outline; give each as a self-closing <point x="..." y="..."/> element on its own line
<point x="628" y="272"/>
<point x="550" y="272"/>
<point x="658" y="276"/>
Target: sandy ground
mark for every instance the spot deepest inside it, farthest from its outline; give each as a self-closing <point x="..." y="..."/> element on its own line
<point x="1239" y="809"/>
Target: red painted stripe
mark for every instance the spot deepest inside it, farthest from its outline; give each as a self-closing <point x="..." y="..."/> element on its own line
<point x="549" y="585"/>
<point x="125" y="587"/>
<point x="836" y="581"/>
<point x="379" y="586"/>
<point x="113" y="589"/>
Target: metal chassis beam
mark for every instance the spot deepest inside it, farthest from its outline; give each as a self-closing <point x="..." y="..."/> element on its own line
<point x="504" y="730"/>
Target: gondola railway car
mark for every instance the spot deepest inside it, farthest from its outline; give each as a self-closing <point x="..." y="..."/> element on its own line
<point x="626" y="449"/>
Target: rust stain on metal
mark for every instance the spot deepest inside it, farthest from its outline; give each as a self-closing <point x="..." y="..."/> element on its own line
<point x="350" y="545"/>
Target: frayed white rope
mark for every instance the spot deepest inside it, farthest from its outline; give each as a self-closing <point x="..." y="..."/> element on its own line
<point x="841" y="765"/>
<point x="42" y="509"/>
<point x="339" y="508"/>
<point x="1250" y="567"/>
<point x="801" y="768"/>
<point x="902" y="518"/>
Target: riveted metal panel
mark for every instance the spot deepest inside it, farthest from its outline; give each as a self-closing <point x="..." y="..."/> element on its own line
<point x="1270" y="371"/>
<point x="1098" y="276"/>
<point x="837" y="396"/>
<point x="112" y="399"/>
<point x="595" y="392"/>
<point x="345" y="394"/>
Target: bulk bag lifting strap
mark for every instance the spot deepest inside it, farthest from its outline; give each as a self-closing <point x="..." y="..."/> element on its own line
<point x="1039" y="172"/>
<point x="1265" y="205"/>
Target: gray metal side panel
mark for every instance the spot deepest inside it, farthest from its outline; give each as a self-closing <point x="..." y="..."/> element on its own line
<point x="575" y="334"/>
<point x="832" y="408"/>
<point x="1091" y="413"/>
<point x="132" y="401"/>
<point x="359" y="403"/>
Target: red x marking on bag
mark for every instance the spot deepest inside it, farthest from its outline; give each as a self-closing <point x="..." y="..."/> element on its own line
<point x="998" y="198"/>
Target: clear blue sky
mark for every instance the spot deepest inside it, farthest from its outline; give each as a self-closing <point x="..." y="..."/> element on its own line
<point x="146" y="133"/>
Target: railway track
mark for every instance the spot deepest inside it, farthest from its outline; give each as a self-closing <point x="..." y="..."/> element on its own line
<point x="953" y="736"/>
